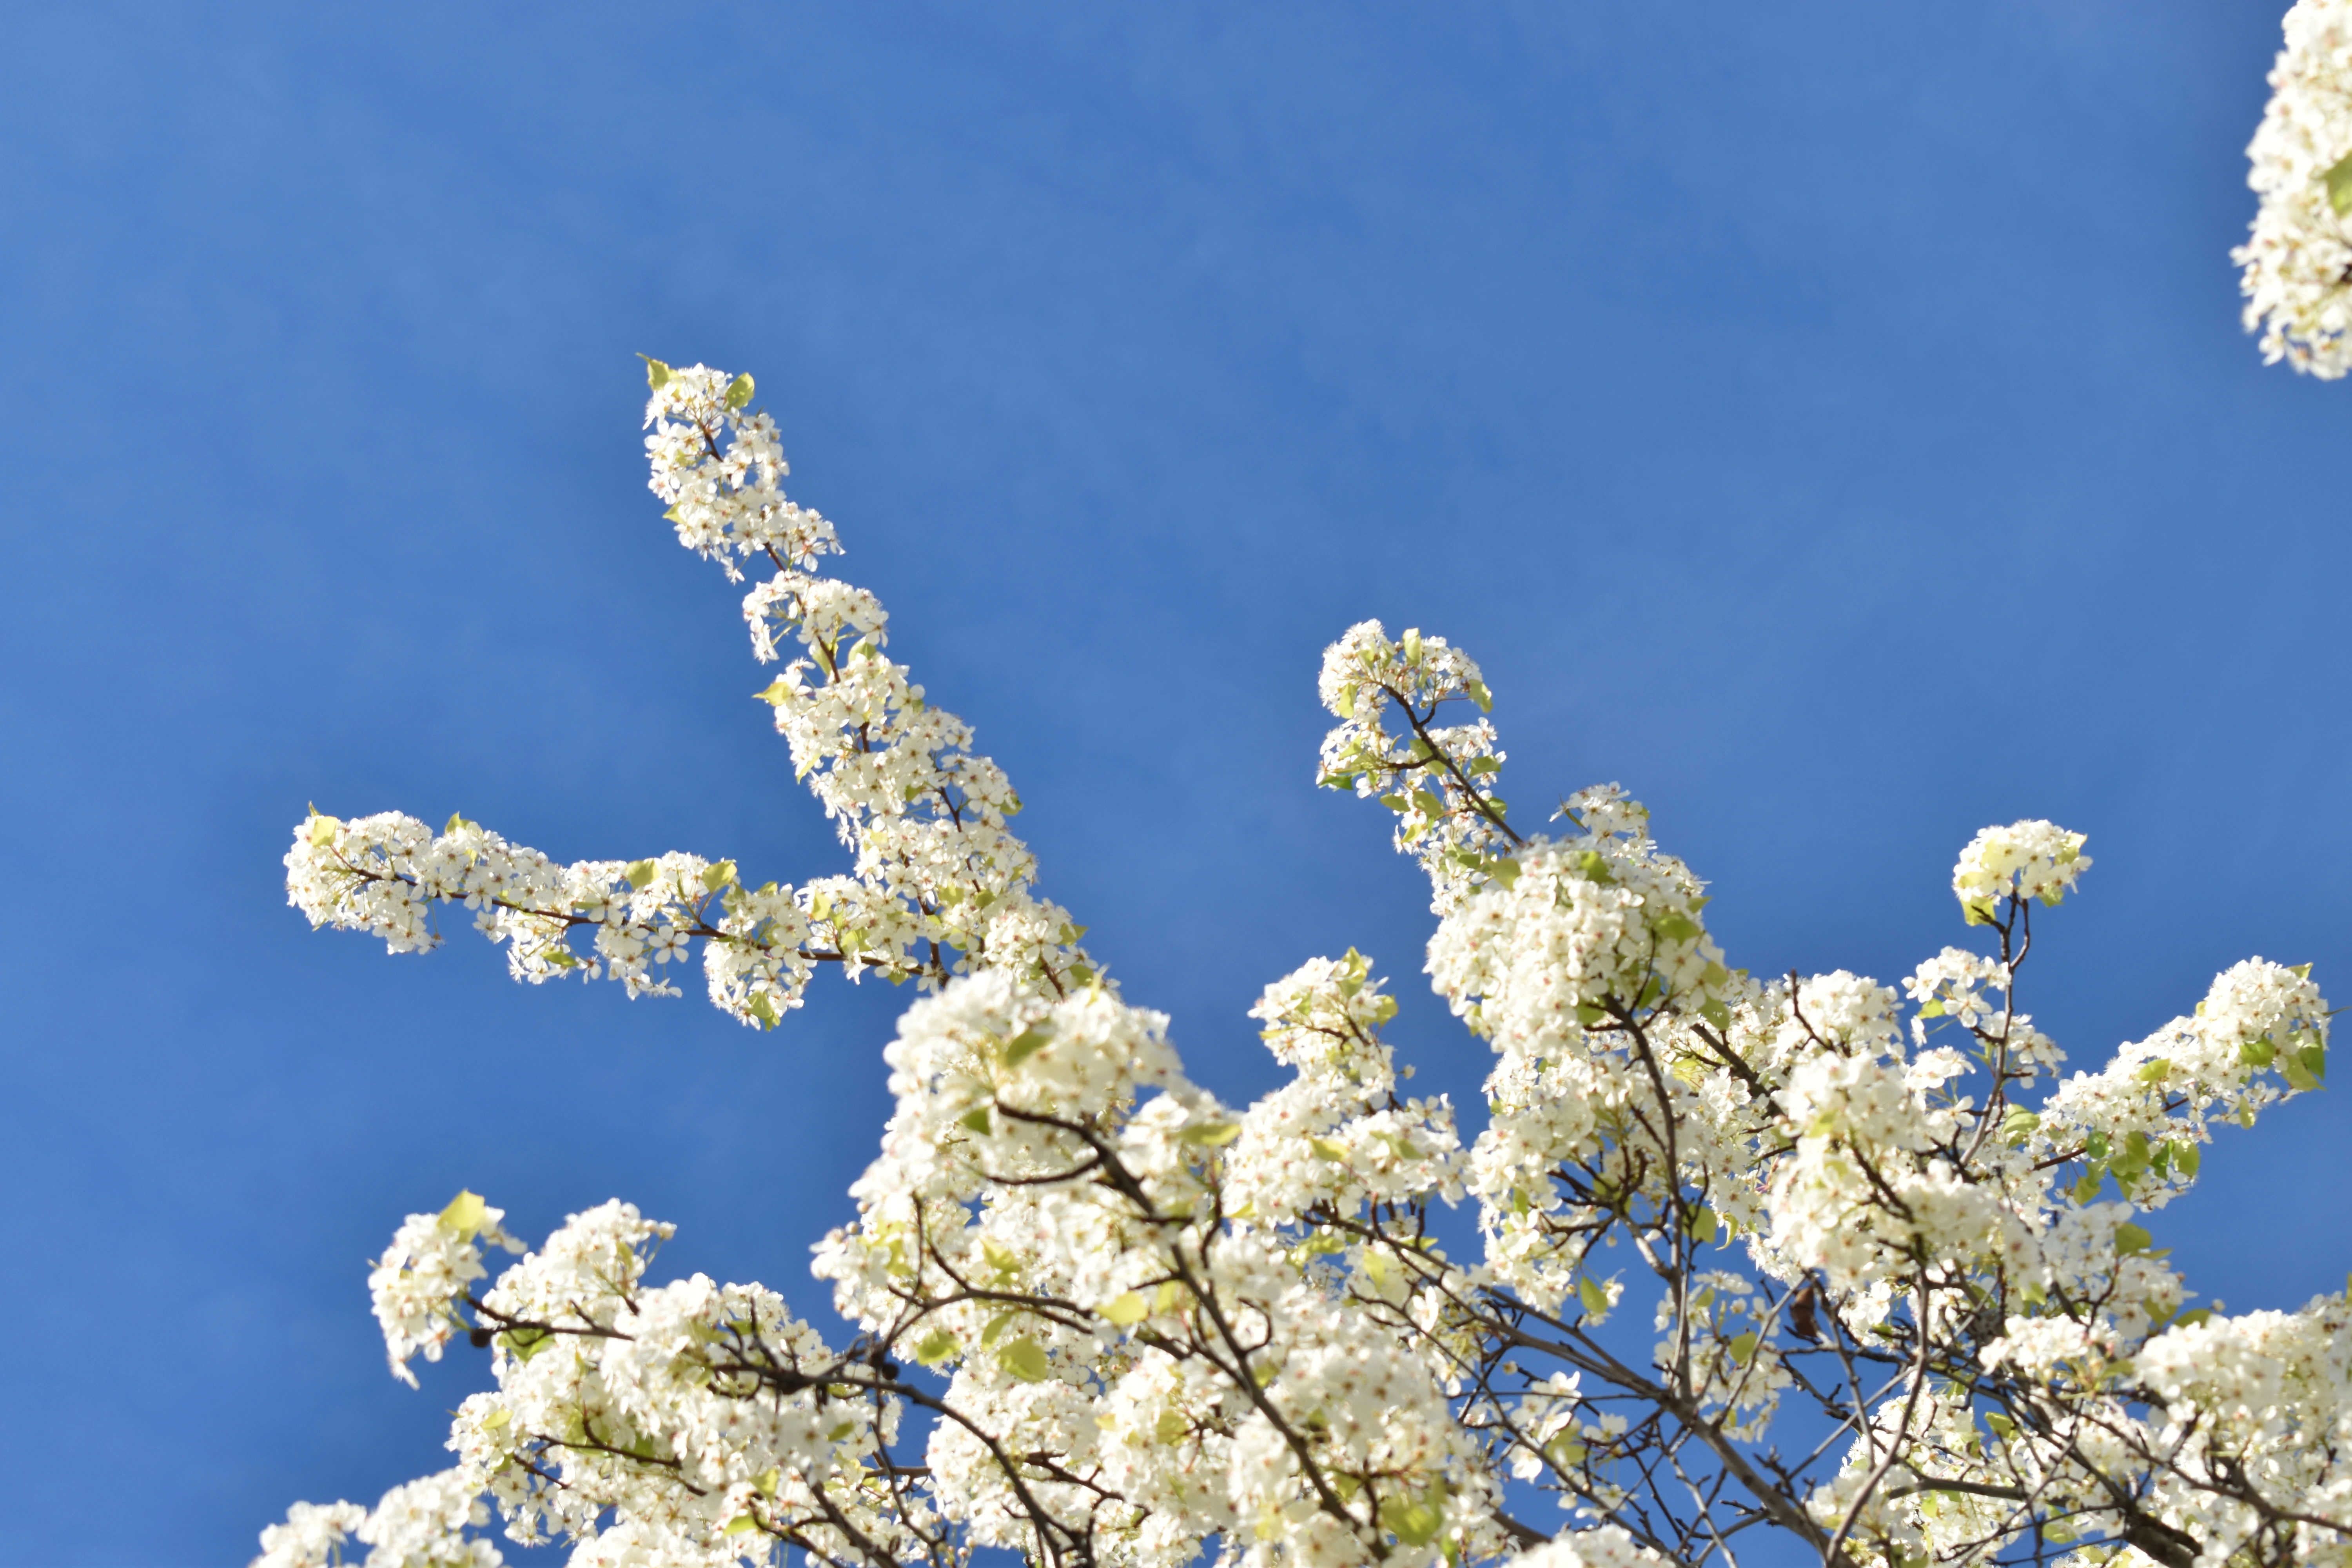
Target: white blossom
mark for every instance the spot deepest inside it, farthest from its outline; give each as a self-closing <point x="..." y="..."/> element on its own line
<point x="1097" y="1315"/>
<point x="2297" y="262"/>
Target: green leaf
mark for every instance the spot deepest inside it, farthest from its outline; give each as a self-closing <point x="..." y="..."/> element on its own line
<point x="717" y="875"/>
<point x="1595" y="867"/>
<point x="739" y="390"/>
<point x="1565" y="1450"/>
<point x="2131" y="1238"/>
<point x="1215" y="1135"/>
<point x="1335" y="1153"/>
<point x="741" y="1524"/>
<point x="656" y="373"/>
<point x="639" y="874"/>
<point x="1413" y="1522"/>
<point x="2017" y="1127"/>
<point x="1678" y="928"/>
<point x="1025" y="1359"/>
<point x="2313" y="1059"/>
<point x="1702" y="1225"/>
<point x="465" y="1214"/>
<point x="976" y="1119"/>
<point x="778" y="691"/>
<point x="1480" y="695"/>
<point x="2156" y="1070"/>
<point x="2337" y="178"/>
<point x="457" y="820"/>
<point x="1025" y="1045"/>
<point x="1000" y="1259"/>
<point x="936" y="1347"/>
<point x="2257" y="1053"/>
<point x="1742" y="1347"/>
<point x="1933" y="1008"/>
<point x="1594" y="1299"/>
<point x="761" y="1007"/>
<point x="2186" y="1158"/>
<point x="1127" y="1310"/>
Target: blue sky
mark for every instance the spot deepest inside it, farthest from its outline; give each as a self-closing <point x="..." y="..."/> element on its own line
<point x="1830" y="421"/>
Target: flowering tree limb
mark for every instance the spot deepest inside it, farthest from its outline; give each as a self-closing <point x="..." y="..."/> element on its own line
<point x="1897" y="1318"/>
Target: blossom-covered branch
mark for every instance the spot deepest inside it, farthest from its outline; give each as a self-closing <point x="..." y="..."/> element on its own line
<point x="938" y="884"/>
<point x="1901" y="1305"/>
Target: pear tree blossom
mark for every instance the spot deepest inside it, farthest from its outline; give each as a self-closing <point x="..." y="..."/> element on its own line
<point x="1806" y="1263"/>
<point x="2296" y="264"/>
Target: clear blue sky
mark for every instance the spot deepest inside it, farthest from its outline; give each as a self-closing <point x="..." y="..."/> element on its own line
<point x="1830" y="421"/>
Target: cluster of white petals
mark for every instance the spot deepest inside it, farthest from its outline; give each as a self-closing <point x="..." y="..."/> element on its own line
<point x="417" y="1286"/>
<point x="940" y="886"/>
<point x="312" y="1536"/>
<point x="1439" y="780"/>
<point x="2026" y="861"/>
<point x="2297" y="262"/>
<point x="1903" y="1307"/>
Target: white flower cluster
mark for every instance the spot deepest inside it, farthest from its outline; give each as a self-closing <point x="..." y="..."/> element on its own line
<point x="1136" y="1287"/>
<point x="689" y="1423"/>
<point x="938" y="887"/>
<point x="1336" y="1138"/>
<point x="2024" y="860"/>
<point x="2297" y="262"/>
<point x="1134" y="1325"/>
<point x="721" y="466"/>
<point x="1608" y="1547"/>
<point x="312" y="1536"/>
<point x="2260" y="1035"/>
<point x="384" y="875"/>
<point x="1438" y="779"/>
<point x="423" y="1277"/>
<point x="2260" y="1397"/>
